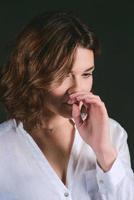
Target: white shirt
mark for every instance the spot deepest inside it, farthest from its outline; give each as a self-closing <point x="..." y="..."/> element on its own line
<point x="25" y="173"/>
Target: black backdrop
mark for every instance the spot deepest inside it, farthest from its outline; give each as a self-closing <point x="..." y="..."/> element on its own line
<point x="113" y="21"/>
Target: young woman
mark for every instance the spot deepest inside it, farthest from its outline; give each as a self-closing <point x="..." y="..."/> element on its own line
<point x="58" y="141"/>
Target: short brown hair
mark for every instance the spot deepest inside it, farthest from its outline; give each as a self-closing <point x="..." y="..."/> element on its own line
<point x="42" y="56"/>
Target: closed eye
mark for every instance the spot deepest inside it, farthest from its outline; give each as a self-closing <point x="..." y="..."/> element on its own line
<point x="86" y="75"/>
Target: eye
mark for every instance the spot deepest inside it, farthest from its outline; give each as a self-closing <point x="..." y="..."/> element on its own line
<point x="86" y="75"/>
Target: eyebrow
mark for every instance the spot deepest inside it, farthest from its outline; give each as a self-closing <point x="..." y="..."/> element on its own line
<point x="88" y="69"/>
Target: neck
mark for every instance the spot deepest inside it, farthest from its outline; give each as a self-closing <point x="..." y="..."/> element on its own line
<point x="55" y="140"/>
<point x="56" y="135"/>
<point x="55" y="123"/>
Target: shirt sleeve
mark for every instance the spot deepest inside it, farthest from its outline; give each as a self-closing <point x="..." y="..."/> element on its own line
<point x="118" y="182"/>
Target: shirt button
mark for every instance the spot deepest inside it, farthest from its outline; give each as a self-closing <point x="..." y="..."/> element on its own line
<point x="101" y="181"/>
<point x="66" y="194"/>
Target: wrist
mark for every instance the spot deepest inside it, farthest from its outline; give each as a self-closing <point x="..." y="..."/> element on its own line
<point x="106" y="158"/>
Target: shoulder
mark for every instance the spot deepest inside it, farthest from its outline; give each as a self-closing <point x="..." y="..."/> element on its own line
<point x="7" y="126"/>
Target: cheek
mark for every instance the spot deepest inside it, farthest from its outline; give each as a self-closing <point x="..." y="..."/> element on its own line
<point x="89" y="84"/>
<point x="57" y="94"/>
<point x="60" y="90"/>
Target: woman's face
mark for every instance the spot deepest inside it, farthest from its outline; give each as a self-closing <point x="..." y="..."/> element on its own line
<point x="79" y="80"/>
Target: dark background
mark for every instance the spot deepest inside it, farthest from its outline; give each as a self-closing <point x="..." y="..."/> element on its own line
<point x="113" y="21"/>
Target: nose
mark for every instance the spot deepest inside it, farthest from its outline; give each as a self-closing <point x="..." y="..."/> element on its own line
<point x="75" y="86"/>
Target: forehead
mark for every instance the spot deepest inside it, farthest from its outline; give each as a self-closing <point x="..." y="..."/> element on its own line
<point x="84" y="59"/>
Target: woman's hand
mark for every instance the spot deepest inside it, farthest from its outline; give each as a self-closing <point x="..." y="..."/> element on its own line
<point x="95" y="128"/>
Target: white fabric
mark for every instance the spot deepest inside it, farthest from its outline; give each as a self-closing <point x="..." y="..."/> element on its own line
<point x="25" y="173"/>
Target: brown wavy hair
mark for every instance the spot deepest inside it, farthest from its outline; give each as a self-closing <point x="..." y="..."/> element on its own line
<point x="42" y="56"/>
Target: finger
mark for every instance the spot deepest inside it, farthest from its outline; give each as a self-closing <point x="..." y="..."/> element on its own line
<point x="71" y="101"/>
<point x="96" y="103"/>
<point x="76" y="115"/>
<point x="85" y="103"/>
<point x="77" y="94"/>
<point x="81" y="97"/>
